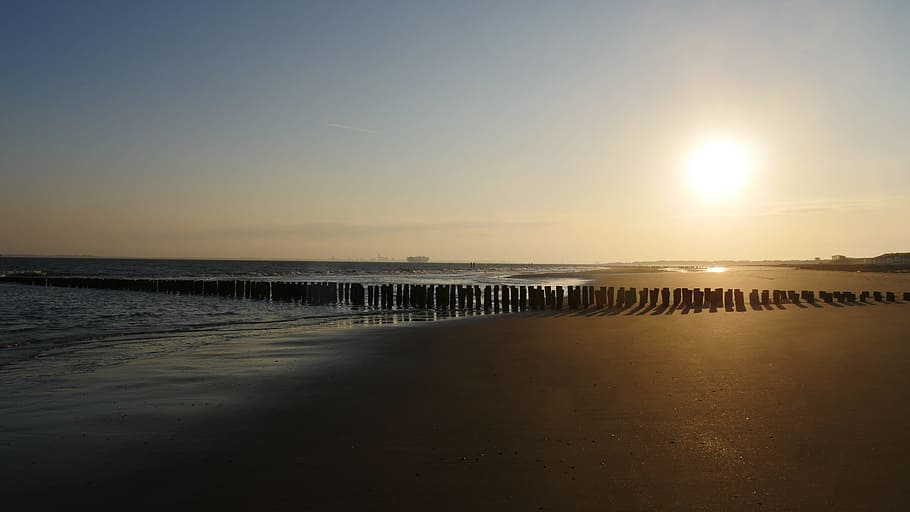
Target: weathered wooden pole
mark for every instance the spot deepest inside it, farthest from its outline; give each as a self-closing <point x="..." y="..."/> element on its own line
<point x="698" y="297"/>
<point x="687" y="297"/>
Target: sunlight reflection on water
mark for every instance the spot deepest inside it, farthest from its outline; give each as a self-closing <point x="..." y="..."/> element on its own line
<point x="693" y="268"/>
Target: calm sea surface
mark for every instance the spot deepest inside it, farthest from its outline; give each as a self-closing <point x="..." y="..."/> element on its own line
<point x="36" y="321"/>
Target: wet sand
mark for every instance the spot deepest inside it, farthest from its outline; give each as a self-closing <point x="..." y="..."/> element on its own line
<point x="745" y="278"/>
<point x="793" y="409"/>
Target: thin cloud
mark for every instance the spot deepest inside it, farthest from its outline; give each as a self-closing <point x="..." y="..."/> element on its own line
<point x="348" y="127"/>
<point x="830" y="206"/>
<point x="827" y="206"/>
<point x="329" y="230"/>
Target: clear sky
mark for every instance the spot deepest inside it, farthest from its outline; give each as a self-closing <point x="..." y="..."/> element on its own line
<point x="519" y="131"/>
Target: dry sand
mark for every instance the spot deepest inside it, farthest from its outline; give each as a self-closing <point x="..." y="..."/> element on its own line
<point x="795" y="409"/>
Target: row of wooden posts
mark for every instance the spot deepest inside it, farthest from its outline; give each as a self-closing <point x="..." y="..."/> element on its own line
<point x="461" y="297"/>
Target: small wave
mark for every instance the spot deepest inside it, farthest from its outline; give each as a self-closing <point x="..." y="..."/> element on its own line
<point x="24" y="273"/>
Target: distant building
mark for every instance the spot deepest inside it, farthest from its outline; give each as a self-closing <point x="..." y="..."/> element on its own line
<point x="894" y="258"/>
<point x="418" y="259"/>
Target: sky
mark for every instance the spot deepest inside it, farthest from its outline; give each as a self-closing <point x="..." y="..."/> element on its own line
<point x="476" y="131"/>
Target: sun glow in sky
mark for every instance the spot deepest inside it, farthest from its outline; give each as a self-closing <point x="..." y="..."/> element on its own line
<point x="719" y="167"/>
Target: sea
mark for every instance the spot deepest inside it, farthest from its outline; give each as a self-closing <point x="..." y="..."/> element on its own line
<point x="40" y="322"/>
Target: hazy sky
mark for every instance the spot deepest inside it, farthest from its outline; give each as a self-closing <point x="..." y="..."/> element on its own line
<point x="520" y="131"/>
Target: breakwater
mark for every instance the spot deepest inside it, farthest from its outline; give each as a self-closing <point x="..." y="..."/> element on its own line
<point x="461" y="297"/>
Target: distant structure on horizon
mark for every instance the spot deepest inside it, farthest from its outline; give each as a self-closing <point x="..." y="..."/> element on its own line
<point x="892" y="258"/>
<point x="418" y="259"/>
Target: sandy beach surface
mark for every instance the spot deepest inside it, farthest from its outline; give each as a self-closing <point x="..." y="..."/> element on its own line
<point x="801" y="408"/>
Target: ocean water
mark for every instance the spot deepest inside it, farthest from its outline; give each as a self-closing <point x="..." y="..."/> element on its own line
<point x="38" y="321"/>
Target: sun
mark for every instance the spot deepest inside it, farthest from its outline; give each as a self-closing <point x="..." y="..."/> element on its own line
<point x="718" y="168"/>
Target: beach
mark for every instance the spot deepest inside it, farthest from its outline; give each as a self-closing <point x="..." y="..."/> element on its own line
<point x="799" y="408"/>
<point x="454" y="256"/>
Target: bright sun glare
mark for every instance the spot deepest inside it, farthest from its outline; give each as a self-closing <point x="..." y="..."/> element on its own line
<point x="718" y="168"/>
